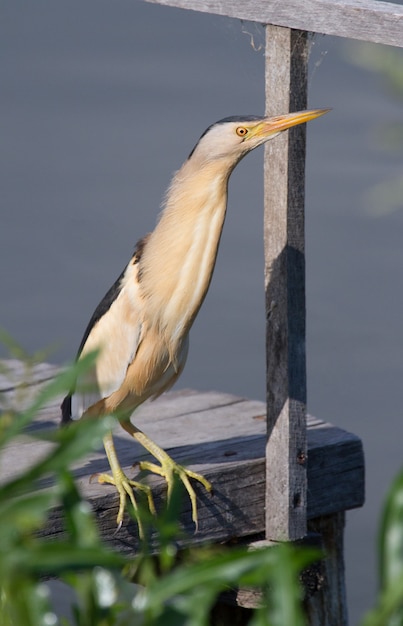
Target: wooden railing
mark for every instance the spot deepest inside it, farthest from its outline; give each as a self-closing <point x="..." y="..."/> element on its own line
<point x="287" y="23"/>
<point x="368" y="20"/>
<point x="235" y="465"/>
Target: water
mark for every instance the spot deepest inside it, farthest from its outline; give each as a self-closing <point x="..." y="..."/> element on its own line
<point x="100" y="102"/>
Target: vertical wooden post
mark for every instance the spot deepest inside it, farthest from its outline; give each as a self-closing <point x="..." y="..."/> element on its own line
<point x="286" y="90"/>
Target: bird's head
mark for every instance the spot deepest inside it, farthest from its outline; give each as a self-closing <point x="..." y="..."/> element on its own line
<point x="232" y="138"/>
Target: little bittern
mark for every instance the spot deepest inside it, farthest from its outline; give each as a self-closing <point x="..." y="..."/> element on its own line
<point x="141" y="327"/>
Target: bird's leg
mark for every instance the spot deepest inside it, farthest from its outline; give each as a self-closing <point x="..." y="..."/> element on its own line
<point x="123" y="484"/>
<point x="168" y="466"/>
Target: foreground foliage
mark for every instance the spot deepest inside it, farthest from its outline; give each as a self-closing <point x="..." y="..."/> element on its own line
<point x="169" y="589"/>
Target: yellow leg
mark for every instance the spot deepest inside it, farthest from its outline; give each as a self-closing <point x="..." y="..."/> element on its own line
<point x="123" y="484"/>
<point x="168" y="466"/>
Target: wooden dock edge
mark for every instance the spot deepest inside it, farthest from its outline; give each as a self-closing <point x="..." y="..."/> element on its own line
<point x="223" y="437"/>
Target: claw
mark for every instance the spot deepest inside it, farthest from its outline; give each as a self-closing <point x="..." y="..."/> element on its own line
<point x="168" y="466"/>
<point x="93" y="477"/>
<point x="167" y="469"/>
<point x="118" y="527"/>
<point x="124" y="486"/>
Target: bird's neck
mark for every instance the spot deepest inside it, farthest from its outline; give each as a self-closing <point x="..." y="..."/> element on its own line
<point x="179" y="257"/>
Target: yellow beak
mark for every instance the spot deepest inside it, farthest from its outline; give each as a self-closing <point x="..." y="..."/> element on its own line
<point x="274" y="125"/>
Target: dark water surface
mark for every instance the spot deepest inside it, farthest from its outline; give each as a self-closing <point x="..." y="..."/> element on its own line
<point x="100" y="102"/>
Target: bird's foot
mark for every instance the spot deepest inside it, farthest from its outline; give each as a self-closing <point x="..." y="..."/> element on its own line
<point x="125" y="487"/>
<point x="168" y="469"/>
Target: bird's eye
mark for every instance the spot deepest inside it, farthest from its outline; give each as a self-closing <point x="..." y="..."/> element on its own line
<point x="241" y="131"/>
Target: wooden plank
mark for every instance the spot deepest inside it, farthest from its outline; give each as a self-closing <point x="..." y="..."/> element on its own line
<point x="286" y="90"/>
<point x="323" y="583"/>
<point x="311" y="578"/>
<point x="328" y="605"/>
<point x="19" y="382"/>
<point x="220" y="435"/>
<point x="15" y="373"/>
<point x="368" y="20"/>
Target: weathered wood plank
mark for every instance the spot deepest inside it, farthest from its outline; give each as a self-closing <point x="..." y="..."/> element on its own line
<point x="368" y="20"/>
<point x="286" y="90"/>
<point x="219" y="435"/>
<point x="324" y="584"/>
<point x="328" y="606"/>
<point x="311" y="578"/>
<point x="15" y="373"/>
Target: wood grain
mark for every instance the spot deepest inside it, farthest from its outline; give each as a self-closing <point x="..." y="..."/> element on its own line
<point x="323" y="583"/>
<point x="284" y="176"/>
<point x="368" y="20"/>
<point x="218" y="434"/>
<point x="328" y="606"/>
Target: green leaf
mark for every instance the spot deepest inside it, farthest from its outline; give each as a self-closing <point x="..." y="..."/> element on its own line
<point x="389" y="610"/>
<point x="201" y="582"/>
<point x="72" y="443"/>
<point x="26" y="603"/>
<point x="53" y="559"/>
<point x="80" y="523"/>
<point x="58" y="386"/>
<point x="391" y="535"/>
<point x="284" y="593"/>
<point x="22" y="516"/>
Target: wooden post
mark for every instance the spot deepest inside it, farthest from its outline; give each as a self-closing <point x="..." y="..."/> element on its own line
<point x="286" y="90"/>
<point x="327" y="606"/>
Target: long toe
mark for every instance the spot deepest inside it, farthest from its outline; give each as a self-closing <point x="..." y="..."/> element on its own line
<point x="168" y="469"/>
<point x="125" y="488"/>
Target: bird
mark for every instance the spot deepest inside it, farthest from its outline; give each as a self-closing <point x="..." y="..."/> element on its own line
<point x="141" y="327"/>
